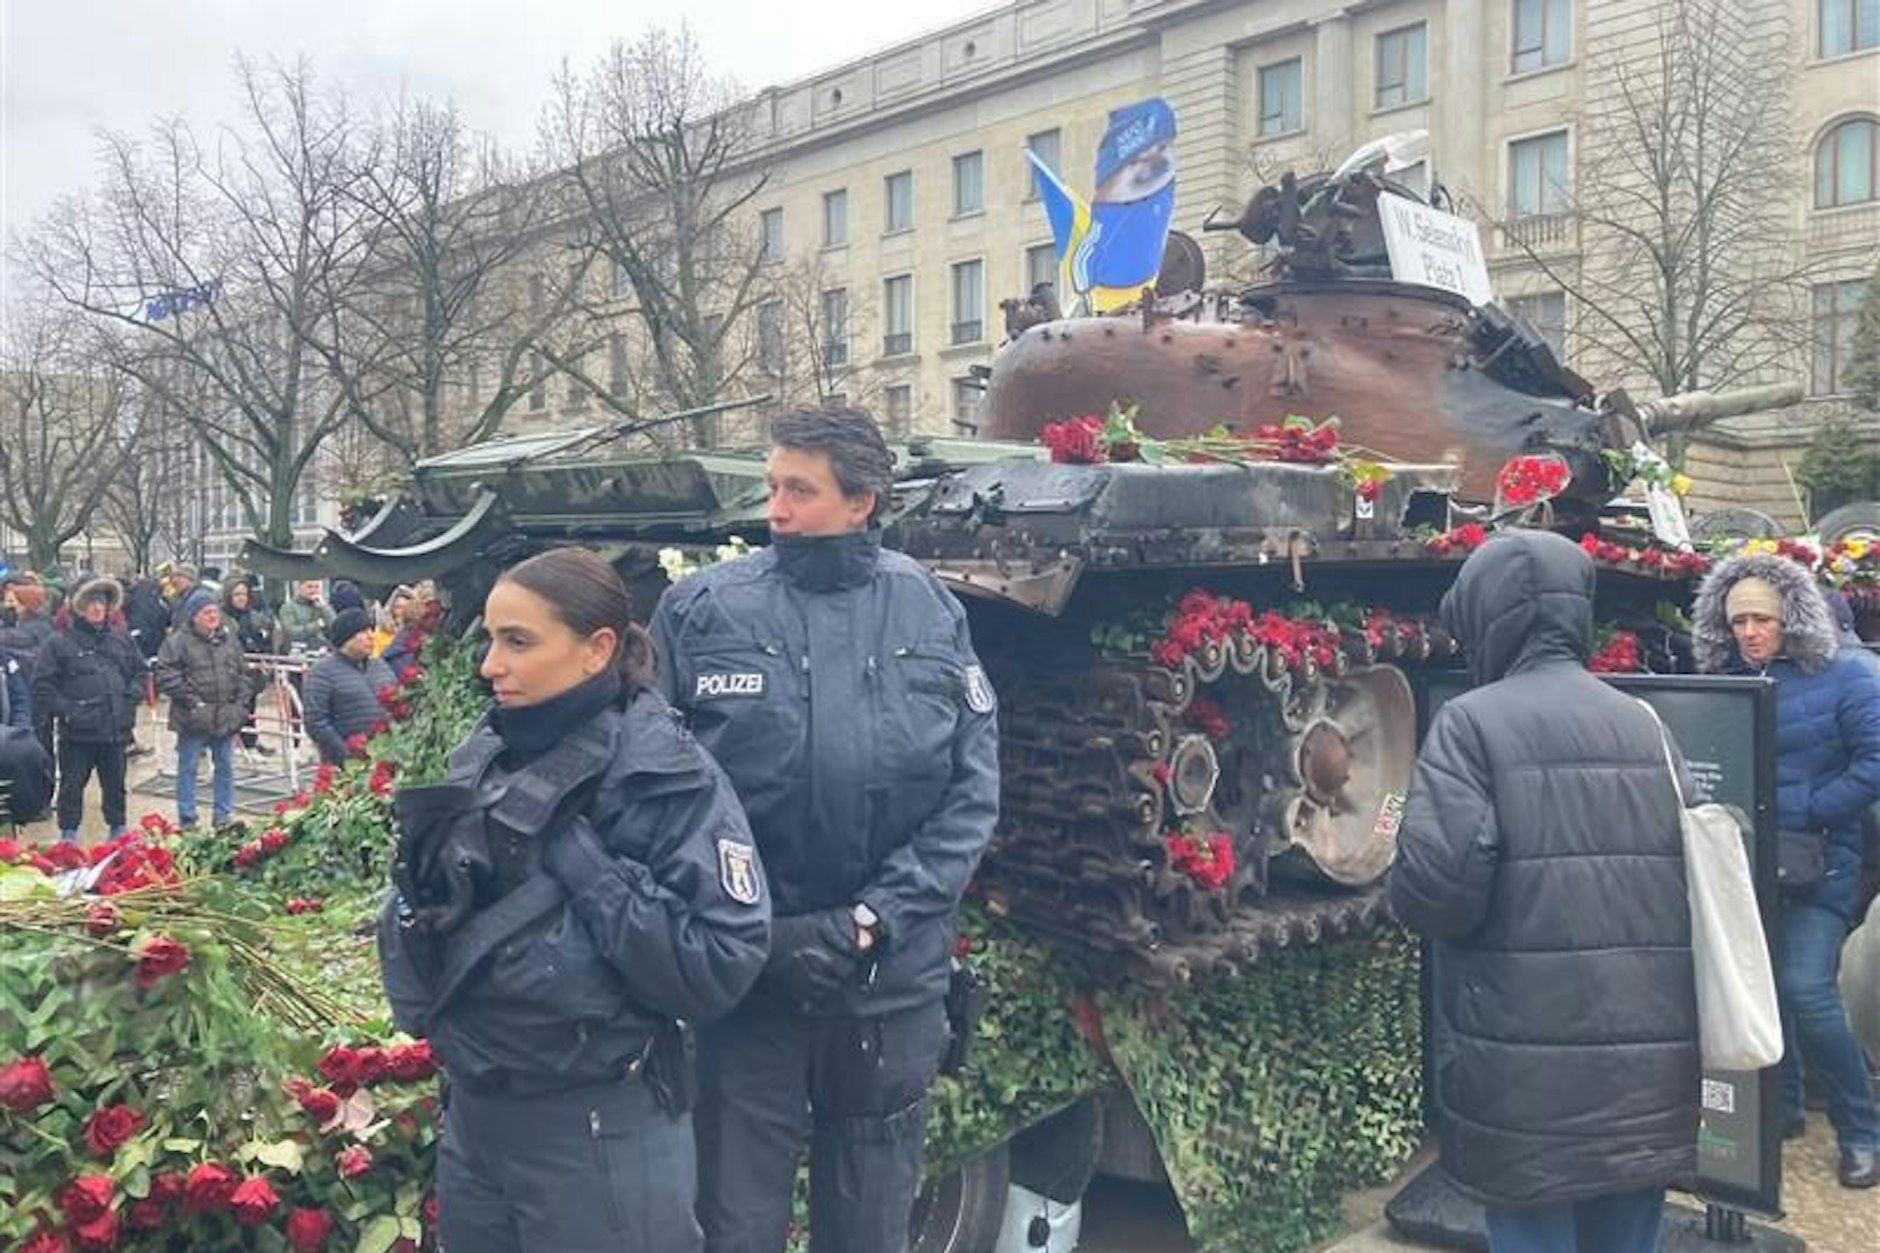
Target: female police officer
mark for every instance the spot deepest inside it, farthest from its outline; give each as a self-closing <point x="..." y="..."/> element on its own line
<point x="582" y="882"/>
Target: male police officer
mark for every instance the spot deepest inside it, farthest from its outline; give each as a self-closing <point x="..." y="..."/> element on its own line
<point x="836" y="684"/>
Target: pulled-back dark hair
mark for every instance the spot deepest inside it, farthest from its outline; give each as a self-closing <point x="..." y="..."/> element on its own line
<point x="852" y="440"/>
<point x="585" y="594"/>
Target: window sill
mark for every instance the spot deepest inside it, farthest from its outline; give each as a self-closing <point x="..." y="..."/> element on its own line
<point x="1522" y="76"/>
<point x="1279" y="136"/>
<point x="972" y="348"/>
<point x="841" y="247"/>
<point x="898" y="359"/>
<point x="1837" y="210"/>
<point x="1385" y="110"/>
<point x="967" y="215"/>
<point x="897" y="232"/>
<point x="1841" y="57"/>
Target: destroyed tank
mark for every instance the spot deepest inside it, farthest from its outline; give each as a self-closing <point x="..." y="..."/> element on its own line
<point x="1209" y="671"/>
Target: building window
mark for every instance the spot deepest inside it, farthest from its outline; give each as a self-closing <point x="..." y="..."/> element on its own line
<point x="897" y="315"/>
<point x="1402" y="72"/>
<point x="617" y="365"/>
<point x="835" y="327"/>
<point x="969" y="183"/>
<point x="1849" y="26"/>
<point x="898" y="407"/>
<point x="969" y="302"/>
<point x="1543" y="33"/>
<point x="898" y="190"/>
<point x="966" y="396"/>
<point x="1837" y="306"/>
<point x="1537" y="175"/>
<point x="1845" y="164"/>
<point x="770" y="337"/>
<point x="770" y="236"/>
<point x="538" y="382"/>
<point x="1048" y="147"/>
<point x="1546" y="312"/>
<point x="835" y="218"/>
<point x="1282" y="98"/>
<point x="1041" y="267"/>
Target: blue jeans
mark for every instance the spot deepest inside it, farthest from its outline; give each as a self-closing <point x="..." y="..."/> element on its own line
<point x="1620" y="1222"/>
<point x="222" y="758"/>
<point x="1814" y="1018"/>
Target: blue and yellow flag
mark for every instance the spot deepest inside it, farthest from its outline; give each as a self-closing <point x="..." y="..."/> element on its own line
<point x="1110" y="248"/>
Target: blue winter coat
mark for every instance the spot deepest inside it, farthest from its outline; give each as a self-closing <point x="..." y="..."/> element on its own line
<point x="1827" y="715"/>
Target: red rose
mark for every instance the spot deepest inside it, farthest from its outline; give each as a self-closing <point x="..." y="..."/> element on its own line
<point x="341" y="1065"/>
<point x="65" y="856"/>
<point x="160" y="957"/>
<point x="356" y="744"/>
<point x="247" y="855"/>
<point x="430" y="1211"/>
<point x="353" y="1161"/>
<point x="86" y="1197"/>
<point x="153" y="822"/>
<point x="110" y="1127"/>
<point x="305" y="905"/>
<point x="254" y="1202"/>
<point x="166" y="1187"/>
<point x="101" y="1233"/>
<point x="148" y="1214"/>
<point x="321" y="1103"/>
<point x="410" y="1063"/>
<point x="25" y="1085"/>
<point x="307" y="1230"/>
<point x="323" y="779"/>
<point x="9" y="850"/>
<point x="46" y="1242"/>
<point x="273" y="840"/>
<point x="208" y="1188"/>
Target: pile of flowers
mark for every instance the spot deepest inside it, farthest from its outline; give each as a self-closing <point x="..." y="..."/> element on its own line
<point x="1530" y="480"/>
<point x="1462" y="539"/>
<point x="677" y="563"/>
<point x="1207" y="859"/>
<point x="1115" y="438"/>
<point x="1852" y="567"/>
<point x="1201" y="619"/>
<point x="1617" y="651"/>
<point x="1663" y="561"/>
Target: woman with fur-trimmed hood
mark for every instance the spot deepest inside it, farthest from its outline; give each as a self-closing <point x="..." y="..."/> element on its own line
<point x="88" y="681"/>
<point x="1763" y="614"/>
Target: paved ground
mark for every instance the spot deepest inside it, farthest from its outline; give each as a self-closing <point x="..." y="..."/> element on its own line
<point x="1119" y="1216"/>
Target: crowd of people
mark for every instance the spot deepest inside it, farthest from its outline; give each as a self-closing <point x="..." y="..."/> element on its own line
<point x="77" y="668"/>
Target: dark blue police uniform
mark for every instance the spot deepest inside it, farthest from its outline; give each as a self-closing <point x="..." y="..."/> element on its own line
<point x="836" y="684"/>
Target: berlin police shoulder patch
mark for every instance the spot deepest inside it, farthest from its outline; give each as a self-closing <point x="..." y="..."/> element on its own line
<point x="978" y="691"/>
<point x="737" y="871"/>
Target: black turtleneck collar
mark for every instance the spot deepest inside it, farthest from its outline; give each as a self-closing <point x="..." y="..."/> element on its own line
<point x="827" y="563"/>
<point x="529" y="730"/>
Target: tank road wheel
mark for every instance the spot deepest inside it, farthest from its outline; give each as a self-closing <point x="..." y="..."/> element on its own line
<point x="960" y="1211"/>
<point x="1720" y="523"/>
<point x="1860" y="520"/>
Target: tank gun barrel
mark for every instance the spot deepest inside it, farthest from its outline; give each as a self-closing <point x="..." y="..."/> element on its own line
<point x="1684" y="411"/>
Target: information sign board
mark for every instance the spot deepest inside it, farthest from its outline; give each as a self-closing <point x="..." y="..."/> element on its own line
<point x="1433" y="248"/>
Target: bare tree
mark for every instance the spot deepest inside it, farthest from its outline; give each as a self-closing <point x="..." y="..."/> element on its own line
<point x="143" y="500"/>
<point x="439" y="342"/>
<point x="62" y="429"/>
<point x="221" y="269"/>
<point x="804" y="335"/>
<point x="661" y="164"/>
<point x="1688" y="272"/>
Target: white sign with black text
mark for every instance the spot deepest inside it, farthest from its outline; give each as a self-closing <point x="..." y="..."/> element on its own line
<point x="1434" y="249"/>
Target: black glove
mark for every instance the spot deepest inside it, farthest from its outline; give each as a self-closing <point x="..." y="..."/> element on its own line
<point x="813" y="956"/>
<point x="443" y="852"/>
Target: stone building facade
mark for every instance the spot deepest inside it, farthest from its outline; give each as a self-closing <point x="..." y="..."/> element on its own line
<point x="901" y="176"/>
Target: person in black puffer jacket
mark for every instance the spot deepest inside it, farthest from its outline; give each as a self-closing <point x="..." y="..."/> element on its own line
<point x="88" y="680"/>
<point x="1541" y="850"/>
<point x="581" y="882"/>
<point x="342" y="690"/>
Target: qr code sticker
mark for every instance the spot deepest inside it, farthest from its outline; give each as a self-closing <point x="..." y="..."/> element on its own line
<point x="1719" y="1097"/>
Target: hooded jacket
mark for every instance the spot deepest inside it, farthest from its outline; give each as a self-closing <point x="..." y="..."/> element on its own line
<point x="90" y="677"/>
<point x="1827" y="714"/>
<point x="1541" y="850"/>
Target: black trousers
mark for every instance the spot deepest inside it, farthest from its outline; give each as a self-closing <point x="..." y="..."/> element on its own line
<point x="77" y="759"/>
<point x="596" y="1169"/>
<point x="855" y="1088"/>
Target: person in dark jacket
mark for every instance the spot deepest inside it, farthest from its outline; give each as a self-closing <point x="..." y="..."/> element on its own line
<point x="253" y="625"/>
<point x="342" y="690"/>
<point x="29" y="624"/>
<point x="200" y="668"/>
<point x="89" y="679"/>
<point x="148" y="615"/>
<point x="1541" y="851"/>
<point x="16" y="694"/>
<point x="615" y="892"/>
<point x="836" y="684"/>
<point x="1763" y="614"/>
<point x="179" y="581"/>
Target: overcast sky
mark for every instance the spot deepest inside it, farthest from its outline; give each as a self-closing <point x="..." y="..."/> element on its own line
<point x="70" y="67"/>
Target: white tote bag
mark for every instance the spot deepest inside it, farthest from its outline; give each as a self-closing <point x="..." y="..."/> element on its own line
<point x="1739" y="1026"/>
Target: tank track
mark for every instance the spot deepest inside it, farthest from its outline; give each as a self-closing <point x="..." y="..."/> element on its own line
<point x="1101" y="764"/>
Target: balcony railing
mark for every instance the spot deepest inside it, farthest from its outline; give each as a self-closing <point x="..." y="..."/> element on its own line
<point x="835" y="355"/>
<point x="1541" y="231"/>
<point x="897" y="344"/>
<point x="968" y="332"/>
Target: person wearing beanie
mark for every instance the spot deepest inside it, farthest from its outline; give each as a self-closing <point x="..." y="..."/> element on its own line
<point x="1762" y="614"/>
<point x="346" y="595"/>
<point x="85" y="688"/>
<point x="342" y="690"/>
<point x="201" y="669"/>
<point x="177" y="586"/>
